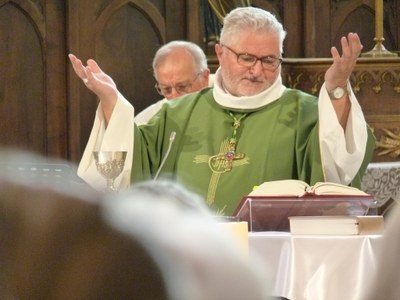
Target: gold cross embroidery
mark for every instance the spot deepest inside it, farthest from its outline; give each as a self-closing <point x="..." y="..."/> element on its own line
<point x="220" y="164"/>
<point x="225" y="160"/>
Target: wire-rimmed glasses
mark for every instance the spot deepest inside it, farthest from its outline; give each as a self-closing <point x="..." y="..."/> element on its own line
<point x="268" y="62"/>
<point x="180" y="88"/>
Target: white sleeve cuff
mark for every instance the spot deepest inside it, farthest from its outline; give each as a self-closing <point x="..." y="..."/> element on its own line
<point x="342" y="152"/>
<point x="118" y="136"/>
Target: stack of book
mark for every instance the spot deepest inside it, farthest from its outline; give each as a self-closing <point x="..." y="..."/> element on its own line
<point x="269" y="206"/>
<point x="336" y="225"/>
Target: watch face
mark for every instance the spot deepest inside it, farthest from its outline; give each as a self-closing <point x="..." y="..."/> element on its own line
<point x="338" y="92"/>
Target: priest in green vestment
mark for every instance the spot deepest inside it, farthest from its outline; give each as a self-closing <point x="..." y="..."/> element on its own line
<point x="249" y="128"/>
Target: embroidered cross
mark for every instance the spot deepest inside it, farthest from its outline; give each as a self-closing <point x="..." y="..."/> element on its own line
<point x="225" y="160"/>
<point x="218" y="165"/>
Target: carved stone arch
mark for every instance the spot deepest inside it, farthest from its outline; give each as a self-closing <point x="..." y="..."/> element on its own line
<point x="146" y="7"/>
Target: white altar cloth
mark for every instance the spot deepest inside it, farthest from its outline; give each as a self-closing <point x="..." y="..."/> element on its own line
<point x="316" y="267"/>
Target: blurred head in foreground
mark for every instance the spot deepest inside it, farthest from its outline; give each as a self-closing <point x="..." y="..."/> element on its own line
<point x="198" y="260"/>
<point x="57" y="246"/>
<point x="156" y="241"/>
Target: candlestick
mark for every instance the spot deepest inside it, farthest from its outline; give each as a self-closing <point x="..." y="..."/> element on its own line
<point x="379" y="50"/>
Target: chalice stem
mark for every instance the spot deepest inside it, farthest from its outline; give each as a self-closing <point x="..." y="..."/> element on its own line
<point x="110" y="184"/>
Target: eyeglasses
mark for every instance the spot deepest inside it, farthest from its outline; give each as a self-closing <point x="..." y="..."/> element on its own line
<point x="180" y="88"/>
<point x="268" y="62"/>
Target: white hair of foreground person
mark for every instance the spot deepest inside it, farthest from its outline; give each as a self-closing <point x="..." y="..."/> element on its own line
<point x="198" y="261"/>
<point x="63" y="240"/>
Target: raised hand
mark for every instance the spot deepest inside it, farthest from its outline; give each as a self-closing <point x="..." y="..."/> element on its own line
<point x="339" y="72"/>
<point x="98" y="82"/>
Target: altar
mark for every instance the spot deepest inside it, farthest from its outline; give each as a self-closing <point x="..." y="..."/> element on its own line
<point x="315" y="267"/>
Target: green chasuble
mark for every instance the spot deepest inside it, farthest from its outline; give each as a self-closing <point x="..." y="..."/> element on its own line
<point x="277" y="141"/>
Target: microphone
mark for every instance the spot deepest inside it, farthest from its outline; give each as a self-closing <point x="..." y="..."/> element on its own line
<point x="171" y="140"/>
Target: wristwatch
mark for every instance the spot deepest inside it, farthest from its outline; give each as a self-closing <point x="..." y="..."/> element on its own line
<point x="338" y="92"/>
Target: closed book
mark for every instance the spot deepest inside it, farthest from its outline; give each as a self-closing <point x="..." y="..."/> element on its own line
<point x="336" y="225"/>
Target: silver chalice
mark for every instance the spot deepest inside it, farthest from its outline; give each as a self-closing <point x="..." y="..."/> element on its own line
<point x="110" y="165"/>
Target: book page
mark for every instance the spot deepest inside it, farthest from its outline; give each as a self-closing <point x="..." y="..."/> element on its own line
<point x="289" y="187"/>
<point x="299" y="188"/>
<point x="331" y="188"/>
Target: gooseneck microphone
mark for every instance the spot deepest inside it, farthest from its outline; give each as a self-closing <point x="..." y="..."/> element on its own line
<point x="171" y="141"/>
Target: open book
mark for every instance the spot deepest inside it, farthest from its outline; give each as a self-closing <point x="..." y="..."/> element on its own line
<point x="349" y="225"/>
<point x="298" y="188"/>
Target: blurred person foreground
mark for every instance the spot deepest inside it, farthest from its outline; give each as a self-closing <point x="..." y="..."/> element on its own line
<point x="154" y="241"/>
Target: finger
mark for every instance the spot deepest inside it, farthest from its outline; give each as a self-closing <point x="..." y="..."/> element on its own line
<point x="71" y="57"/>
<point x="355" y="44"/>
<point x="335" y="54"/>
<point x="77" y="66"/>
<point x="91" y="70"/>
<point x="94" y="66"/>
<point x="89" y="76"/>
<point x="354" y="50"/>
<point x="346" y="50"/>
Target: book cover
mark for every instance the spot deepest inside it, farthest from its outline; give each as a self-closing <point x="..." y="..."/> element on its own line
<point x="336" y="225"/>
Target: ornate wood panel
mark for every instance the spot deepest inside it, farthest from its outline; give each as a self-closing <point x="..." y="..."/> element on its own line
<point x="376" y="83"/>
<point x="32" y="85"/>
<point x="43" y="106"/>
<point x="46" y="109"/>
<point x="122" y="36"/>
<point x="314" y="26"/>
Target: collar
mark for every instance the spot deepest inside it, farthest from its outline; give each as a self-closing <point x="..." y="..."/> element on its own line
<point x="246" y="103"/>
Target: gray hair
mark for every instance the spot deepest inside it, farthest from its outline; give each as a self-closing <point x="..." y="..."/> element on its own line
<point x="197" y="258"/>
<point x="195" y="51"/>
<point x="257" y="19"/>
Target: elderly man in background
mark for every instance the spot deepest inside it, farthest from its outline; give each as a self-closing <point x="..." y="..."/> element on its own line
<point x="249" y="128"/>
<point x="179" y="67"/>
